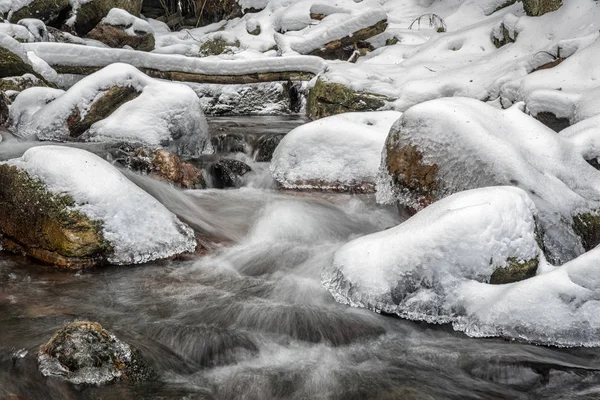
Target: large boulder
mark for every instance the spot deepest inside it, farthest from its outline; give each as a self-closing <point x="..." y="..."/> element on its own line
<point x="71" y="208"/>
<point x="87" y="14"/>
<point x="444" y="146"/>
<point x="85" y="353"/>
<point x="340" y="153"/>
<point x="485" y="235"/>
<point x="119" y="28"/>
<point x="48" y="11"/>
<point x="117" y="104"/>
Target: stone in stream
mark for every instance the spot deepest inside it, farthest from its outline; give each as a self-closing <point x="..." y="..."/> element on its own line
<point x="85" y="353"/>
<point x="226" y="172"/>
<point x="265" y="146"/>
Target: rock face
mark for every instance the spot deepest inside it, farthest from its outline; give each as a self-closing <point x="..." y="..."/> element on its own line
<point x="485" y="235"/>
<point x="48" y="210"/>
<point x="44" y="225"/>
<point x="329" y="98"/>
<point x="46" y="10"/>
<point x="85" y="353"/>
<point x="448" y="145"/>
<point x="535" y="8"/>
<point x="119" y="28"/>
<point x="89" y="14"/>
<point x="162" y="165"/>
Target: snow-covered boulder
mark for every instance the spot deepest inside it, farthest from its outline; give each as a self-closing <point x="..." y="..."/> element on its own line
<point x="482" y="235"/>
<point x="448" y="145"/>
<point x="86" y="14"/>
<point x="71" y="208"/>
<point x="13" y="58"/>
<point x="118" y="103"/>
<point x="341" y="152"/>
<point x="36" y="27"/>
<point x="119" y="28"/>
<point x="18" y="32"/>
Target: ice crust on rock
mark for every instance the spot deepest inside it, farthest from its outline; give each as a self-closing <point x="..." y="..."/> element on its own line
<point x="414" y="269"/>
<point x="138" y="227"/>
<point x="476" y="145"/>
<point x="164" y="114"/>
<point x="341" y="152"/>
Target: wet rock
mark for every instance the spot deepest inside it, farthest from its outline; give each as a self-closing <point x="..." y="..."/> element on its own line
<point x="102" y="107"/>
<point x="43" y="225"/>
<point x="227" y="172"/>
<point x="229" y="142"/>
<point x="129" y="31"/>
<point x="587" y="227"/>
<point x="535" y="8"/>
<point x="265" y="146"/>
<point x="91" y="13"/>
<point x="48" y="11"/>
<point x="162" y="165"/>
<point x="329" y="98"/>
<point x="4" y="102"/>
<point x="552" y="121"/>
<point x="85" y="353"/>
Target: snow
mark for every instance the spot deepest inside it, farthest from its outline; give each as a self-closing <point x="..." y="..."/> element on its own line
<point x="341" y="152"/>
<point x="164" y="114"/>
<point x="36" y="27"/>
<point x="119" y="17"/>
<point x="17" y="32"/>
<point x="75" y="55"/>
<point x="138" y="227"/>
<point x="412" y="269"/>
<point x="476" y="145"/>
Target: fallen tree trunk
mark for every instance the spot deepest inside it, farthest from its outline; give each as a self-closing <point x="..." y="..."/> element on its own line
<point x="81" y="60"/>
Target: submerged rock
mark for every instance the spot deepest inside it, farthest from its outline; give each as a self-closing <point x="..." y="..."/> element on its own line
<point x="119" y="28"/>
<point x="50" y="211"/>
<point x="85" y="353"/>
<point x="329" y="98"/>
<point x="227" y="172"/>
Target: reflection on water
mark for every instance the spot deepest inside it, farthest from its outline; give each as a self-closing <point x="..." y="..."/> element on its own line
<point x="252" y="321"/>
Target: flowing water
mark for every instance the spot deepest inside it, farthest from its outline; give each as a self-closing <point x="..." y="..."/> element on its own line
<point x="251" y="320"/>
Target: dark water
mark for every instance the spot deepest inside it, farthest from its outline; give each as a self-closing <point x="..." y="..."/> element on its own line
<point x="251" y="320"/>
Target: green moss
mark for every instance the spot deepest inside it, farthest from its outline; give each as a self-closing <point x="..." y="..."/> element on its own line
<point x="214" y="47"/>
<point x="391" y="41"/>
<point x="114" y="98"/>
<point x="515" y="270"/>
<point x="535" y="8"/>
<point x="328" y="98"/>
<point x="44" y="224"/>
<point x="12" y="65"/>
<point x="587" y="227"/>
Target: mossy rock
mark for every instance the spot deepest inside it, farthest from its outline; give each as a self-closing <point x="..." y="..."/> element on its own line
<point x="535" y="8"/>
<point x="20" y="83"/>
<point x="214" y="47"/>
<point x="329" y="98"/>
<point x="115" y="36"/>
<point x="505" y="37"/>
<point x="336" y="49"/>
<point x="85" y="353"/>
<point x="103" y="107"/>
<point x="90" y="14"/>
<point x="515" y="271"/>
<point x="587" y="227"/>
<point x="48" y="11"/>
<point x="12" y="65"/>
<point x="4" y="102"/>
<point x="44" y="225"/>
<point x="160" y="164"/>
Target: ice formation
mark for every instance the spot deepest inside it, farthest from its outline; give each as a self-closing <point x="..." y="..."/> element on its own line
<point x="341" y="152"/>
<point x="137" y="226"/>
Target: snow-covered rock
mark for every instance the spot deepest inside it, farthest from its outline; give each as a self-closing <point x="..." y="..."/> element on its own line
<point x="36" y="27"/>
<point x="119" y="29"/>
<point x="413" y="269"/>
<point x="335" y="153"/>
<point x="86" y="14"/>
<point x="123" y="224"/>
<point x="448" y="145"/>
<point x="47" y="11"/>
<point x="119" y="103"/>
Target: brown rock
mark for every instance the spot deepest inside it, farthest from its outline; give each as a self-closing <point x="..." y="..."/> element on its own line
<point x="115" y="36"/>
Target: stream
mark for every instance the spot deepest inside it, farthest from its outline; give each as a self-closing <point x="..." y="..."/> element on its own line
<point x="251" y="320"/>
